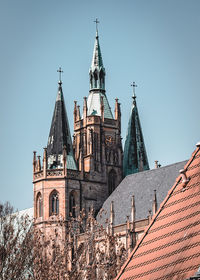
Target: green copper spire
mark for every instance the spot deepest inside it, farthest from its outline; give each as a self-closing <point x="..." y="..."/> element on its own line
<point x="135" y="156"/>
<point x="97" y="71"/>
<point x="97" y="83"/>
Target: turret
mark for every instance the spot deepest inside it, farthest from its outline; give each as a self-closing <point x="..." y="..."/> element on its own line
<point x="118" y="113"/>
<point x="45" y="163"/>
<point x="155" y="204"/>
<point x="59" y="135"/>
<point x="112" y="215"/>
<point x="34" y="162"/>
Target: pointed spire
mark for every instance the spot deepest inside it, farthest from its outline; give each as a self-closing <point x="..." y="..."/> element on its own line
<point x="97" y="61"/>
<point x="78" y="113"/>
<point x="38" y="164"/>
<point x="59" y="135"/>
<point x="155" y="203"/>
<point x="45" y="162"/>
<point x="118" y="113"/>
<point x="133" y="210"/>
<point x="112" y="215"/>
<point x="75" y="111"/>
<point x="97" y="83"/>
<point x="135" y="156"/>
<point x="34" y="161"/>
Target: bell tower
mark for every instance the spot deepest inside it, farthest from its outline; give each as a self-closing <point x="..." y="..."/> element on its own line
<point x="97" y="134"/>
<point x="73" y="177"/>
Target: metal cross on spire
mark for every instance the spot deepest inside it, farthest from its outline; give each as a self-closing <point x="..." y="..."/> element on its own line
<point x="60" y="72"/>
<point x="96" y="21"/>
<point x="134" y="86"/>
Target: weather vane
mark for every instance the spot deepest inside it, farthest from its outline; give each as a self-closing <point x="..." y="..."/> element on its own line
<point x="96" y="21"/>
<point x="134" y="86"/>
<point x="60" y="71"/>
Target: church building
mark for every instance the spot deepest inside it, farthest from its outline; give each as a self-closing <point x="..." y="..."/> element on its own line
<point x="82" y="174"/>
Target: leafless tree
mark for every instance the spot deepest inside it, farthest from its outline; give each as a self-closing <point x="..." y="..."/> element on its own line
<point x="15" y="244"/>
<point x="84" y="251"/>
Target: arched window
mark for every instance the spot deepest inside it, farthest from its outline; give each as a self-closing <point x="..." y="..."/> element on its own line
<point x="111" y="181"/>
<point x="72" y="204"/>
<point x="54" y="203"/>
<point x="101" y="76"/>
<point x="39" y="205"/>
<point x="95" y="79"/>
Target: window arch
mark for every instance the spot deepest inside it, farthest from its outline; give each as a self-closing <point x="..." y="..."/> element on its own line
<point x="95" y="78"/>
<point x="39" y="205"/>
<point x="111" y="181"/>
<point x="101" y="76"/>
<point x="54" y="203"/>
<point x="72" y="204"/>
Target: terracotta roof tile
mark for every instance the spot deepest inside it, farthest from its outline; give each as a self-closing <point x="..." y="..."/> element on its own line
<point x="170" y="247"/>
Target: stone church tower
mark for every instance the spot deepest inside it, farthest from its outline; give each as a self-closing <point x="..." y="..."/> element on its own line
<point x="82" y="174"/>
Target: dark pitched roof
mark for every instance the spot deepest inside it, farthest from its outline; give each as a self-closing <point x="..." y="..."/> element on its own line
<point x="170" y="247"/>
<point x="135" y="156"/>
<point x="142" y="186"/>
<point x="59" y="135"/>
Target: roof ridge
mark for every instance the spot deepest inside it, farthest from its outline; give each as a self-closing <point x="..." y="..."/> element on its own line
<point x="154" y="169"/>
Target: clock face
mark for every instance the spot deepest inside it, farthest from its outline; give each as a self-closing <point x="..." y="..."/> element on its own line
<point x="109" y="141"/>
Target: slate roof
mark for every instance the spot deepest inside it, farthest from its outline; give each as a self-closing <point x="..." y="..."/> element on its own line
<point x="142" y="186"/>
<point x="94" y="104"/>
<point x="135" y="156"/>
<point x="170" y="247"/>
<point x="59" y="135"/>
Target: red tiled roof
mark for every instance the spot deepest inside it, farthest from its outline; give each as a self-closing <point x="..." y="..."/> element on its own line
<point x="170" y="247"/>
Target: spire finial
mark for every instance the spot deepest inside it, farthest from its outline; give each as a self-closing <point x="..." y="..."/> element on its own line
<point x="96" y="21"/>
<point x="134" y="86"/>
<point x="60" y="71"/>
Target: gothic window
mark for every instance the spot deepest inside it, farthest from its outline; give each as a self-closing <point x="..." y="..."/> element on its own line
<point x="90" y="80"/>
<point x="72" y="204"/>
<point x="95" y="79"/>
<point x="101" y="75"/>
<point x="54" y="203"/>
<point x="111" y="181"/>
<point x="39" y="205"/>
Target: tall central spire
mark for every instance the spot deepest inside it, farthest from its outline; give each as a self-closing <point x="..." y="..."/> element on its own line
<point x="97" y="82"/>
<point x="97" y="61"/>
<point x="97" y="71"/>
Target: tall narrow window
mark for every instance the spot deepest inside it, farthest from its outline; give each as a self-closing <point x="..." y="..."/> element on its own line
<point x="54" y="203"/>
<point x="111" y="181"/>
<point x="101" y="75"/>
<point x="72" y="204"/>
<point x="39" y="205"/>
<point x="95" y="79"/>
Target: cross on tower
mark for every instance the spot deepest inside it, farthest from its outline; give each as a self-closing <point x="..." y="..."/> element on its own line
<point x="134" y="86"/>
<point x="60" y="71"/>
<point x="96" y="21"/>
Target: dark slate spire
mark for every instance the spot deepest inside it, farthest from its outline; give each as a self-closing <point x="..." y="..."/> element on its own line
<point x="135" y="156"/>
<point x="59" y="135"/>
<point x="97" y="83"/>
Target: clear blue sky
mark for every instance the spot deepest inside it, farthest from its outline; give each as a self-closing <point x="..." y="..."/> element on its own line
<point x="155" y="43"/>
